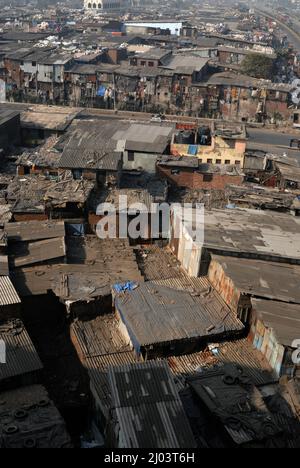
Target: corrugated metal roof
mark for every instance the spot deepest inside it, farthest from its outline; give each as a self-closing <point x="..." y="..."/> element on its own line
<point x="90" y="159"/>
<point x="8" y="294"/>
<point x="97" y="368"/>
<point x="157" y="314"/>
<point x="98" y="337"/>
<point x="148" y="408"/>
<point x="21" y="356"/>
<point x="236" y="403"/>
<point x="4" y="270"/>
<point x="240" y="353"/>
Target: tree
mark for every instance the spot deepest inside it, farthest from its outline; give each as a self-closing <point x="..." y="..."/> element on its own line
<point x="258" y="66"/>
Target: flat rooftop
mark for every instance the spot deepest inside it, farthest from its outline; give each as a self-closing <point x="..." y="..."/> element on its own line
<point x="154" y="313"/>
<point x="48" y="117"/>
<point x="271" y="280"/>
<point x="283" y="319"/>
<point x="246" y="231"/>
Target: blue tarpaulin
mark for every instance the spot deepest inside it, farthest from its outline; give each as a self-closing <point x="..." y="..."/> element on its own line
<point x="122" y="287"/>
<point x="101" y="91"/>
<point x="193" y="149"/>
<point x="75" y="229"/>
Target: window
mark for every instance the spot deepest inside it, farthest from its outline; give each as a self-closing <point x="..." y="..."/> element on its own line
<point x="150" y="64"/>
<point x="77" y="174"/>
<point x="33" y="64"/>
<point x="143" y="63"/>
<point x="209" y="161"/>
<point x="131" y="156"/>
<point x="227" y="161"/>
<point x="218" y="161"/>
<point x="207" y="177"/>
<point x="237" y="163"/>
<point x="175" y="172"/>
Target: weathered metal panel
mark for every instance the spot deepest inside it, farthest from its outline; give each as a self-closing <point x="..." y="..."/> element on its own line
<point x="8" y="294"/>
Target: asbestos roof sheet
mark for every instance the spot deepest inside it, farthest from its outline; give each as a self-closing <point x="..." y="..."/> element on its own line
<point x="290" y="173"/>
<point x="6" y="115"/>
<point x="28" y="253"/>
<point x="21" y="356"/>
<point x="148" y="408"/>
<point x="282" y="318"/>
<point x="8" y="294"/>
<point x="157" y="314"/>
<point x="188" y="63"/>
<point x="277" y="281"/>
<point x="94" y="265"/>
<point x="34" y="230"/>
<point x="145" y="138"/>
<point x="154" y="54"/>
<point x="259" y="232"/>
<point x="89" y="144"/>
<point x="244" y="81"/>
<point x="48" y="117"/>
<point x="90" y="159"/>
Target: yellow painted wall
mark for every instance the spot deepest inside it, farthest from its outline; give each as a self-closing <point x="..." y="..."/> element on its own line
<point x="219" y="152"/>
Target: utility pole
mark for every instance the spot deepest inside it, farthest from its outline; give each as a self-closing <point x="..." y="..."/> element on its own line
<point x="115" y="94"/>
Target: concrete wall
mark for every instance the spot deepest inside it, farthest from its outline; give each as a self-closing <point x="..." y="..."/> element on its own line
<point x="215" y="154"/>
<point x="10" y="132"/>
<point x="144" y="161"/>
<point x="188" y="252"/>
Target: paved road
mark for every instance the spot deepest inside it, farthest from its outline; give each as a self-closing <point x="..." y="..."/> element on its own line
<point x="292" y="33"/>
<point x="273" y="142"/>
<point x="271" y="137"/>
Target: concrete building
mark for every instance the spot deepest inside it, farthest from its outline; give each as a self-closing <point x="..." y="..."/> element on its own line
<point x="106" y="5"/>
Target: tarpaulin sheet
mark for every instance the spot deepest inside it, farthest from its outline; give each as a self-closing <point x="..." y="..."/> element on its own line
<point x="101" y="91"/>
<point x="122" y="287"/>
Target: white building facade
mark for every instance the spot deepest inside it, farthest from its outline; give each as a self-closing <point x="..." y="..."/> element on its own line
<point x="106" y="5"/>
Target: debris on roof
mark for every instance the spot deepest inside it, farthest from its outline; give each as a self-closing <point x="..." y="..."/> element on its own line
<point x="29" y="419"/>
<point x="155" y="314"/>
<point x="237" y="404"/>
<point x="22" y="359"/>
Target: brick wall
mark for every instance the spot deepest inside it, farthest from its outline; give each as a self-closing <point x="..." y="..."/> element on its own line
<point x="191" y="179"/>
<point x="30" y="217"/>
